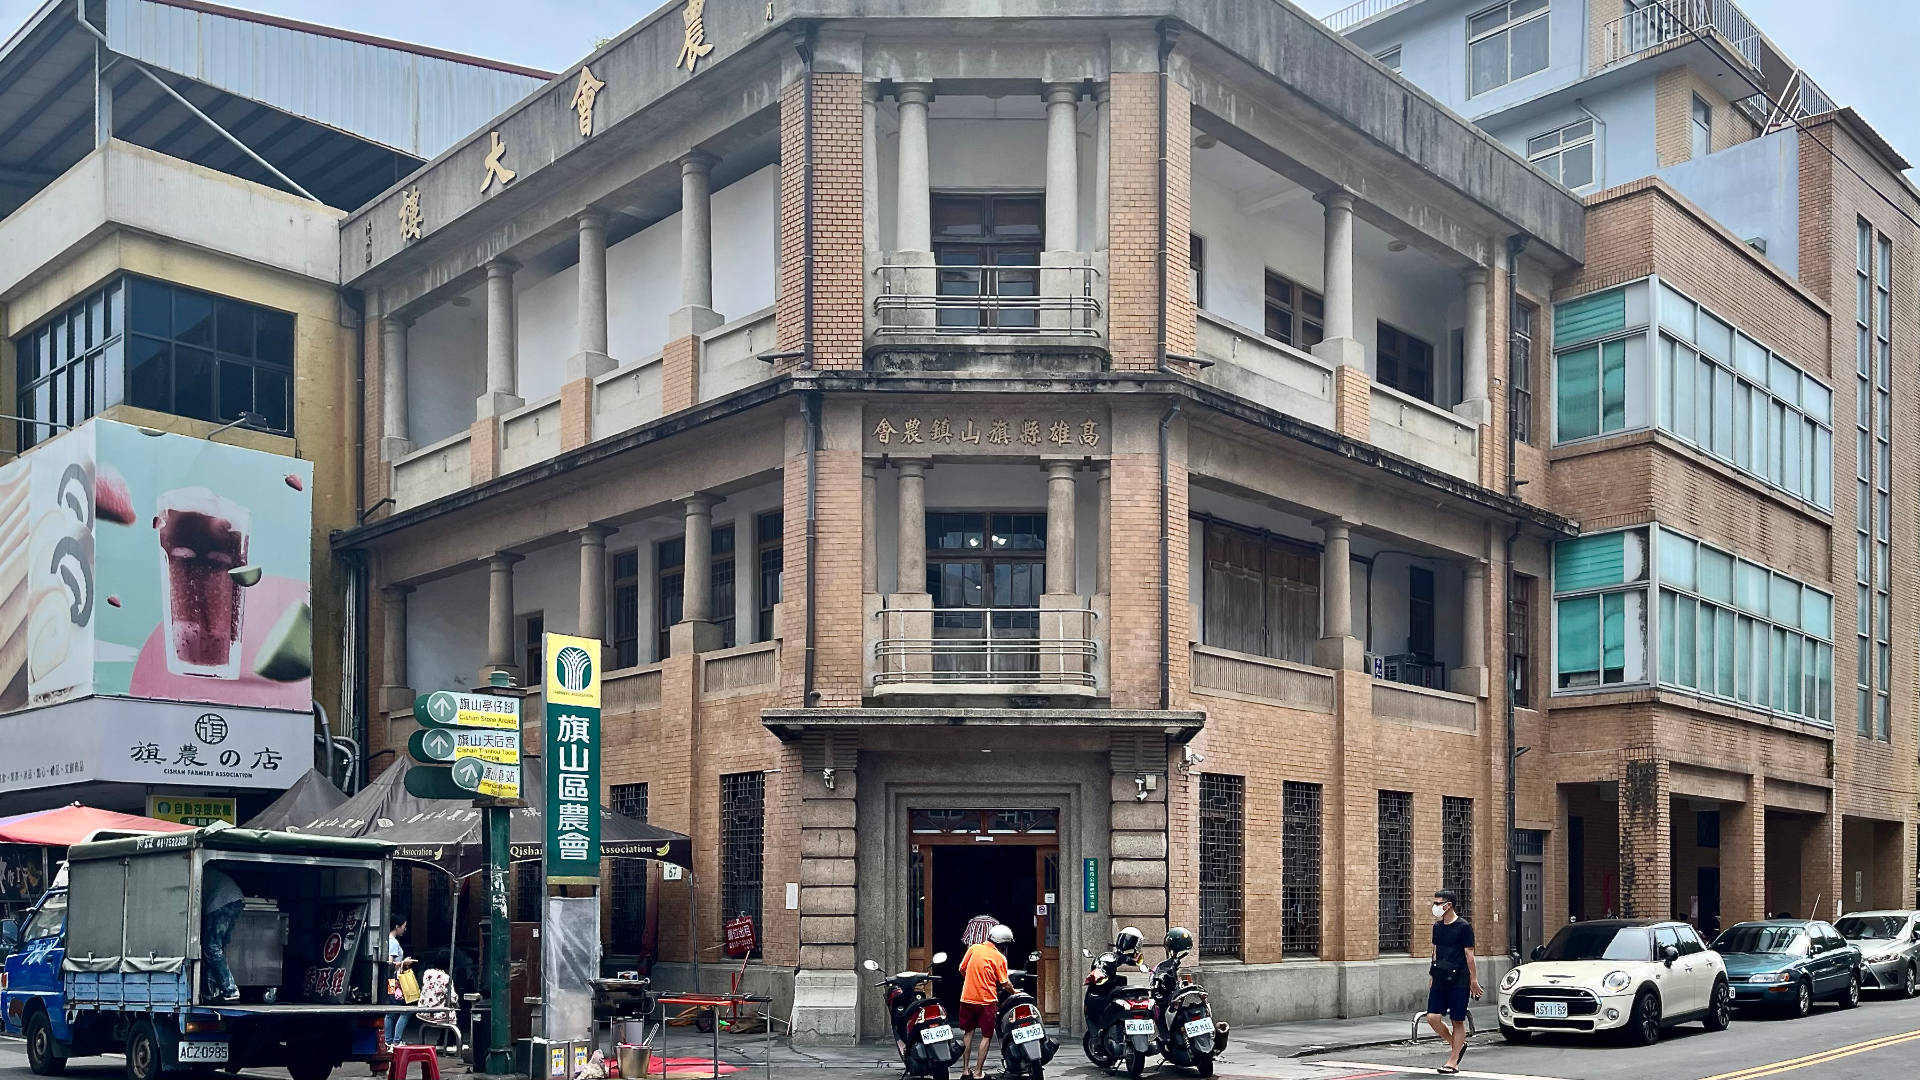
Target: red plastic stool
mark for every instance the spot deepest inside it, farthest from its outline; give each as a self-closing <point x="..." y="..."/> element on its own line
<point x="404" y="1055"/>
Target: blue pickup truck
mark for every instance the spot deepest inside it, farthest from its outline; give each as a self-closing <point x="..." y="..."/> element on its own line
<point x="111" y="961"/>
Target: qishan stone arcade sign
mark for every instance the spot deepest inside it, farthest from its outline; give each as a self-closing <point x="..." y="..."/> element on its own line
<point x="1014" y="431"/>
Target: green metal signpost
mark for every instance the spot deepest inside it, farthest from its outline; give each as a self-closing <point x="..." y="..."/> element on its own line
<point x="468" y="747"/>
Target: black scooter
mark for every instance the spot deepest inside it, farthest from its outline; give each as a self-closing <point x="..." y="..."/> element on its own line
<point x="1025" y="1048"/>
<point x="922" y="1035"/>
<point x="1119" y="1017"/>
<point x="1184" y="1025"/>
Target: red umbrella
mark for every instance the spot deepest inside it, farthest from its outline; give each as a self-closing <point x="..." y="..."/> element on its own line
<point x="76" y="824"/>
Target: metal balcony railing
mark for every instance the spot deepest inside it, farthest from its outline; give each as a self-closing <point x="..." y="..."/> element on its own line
<point x="1353" y="14"/>
<point x="1044" y="300"/>
<point x="1672" y="20"/>
<point x="1801" y="98"/>
<point x="975" y="646"/>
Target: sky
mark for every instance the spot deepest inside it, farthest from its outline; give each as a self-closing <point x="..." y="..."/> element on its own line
<point x="1856" y="50"/>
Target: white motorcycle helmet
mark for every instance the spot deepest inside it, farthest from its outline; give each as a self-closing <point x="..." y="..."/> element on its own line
<point x="1000" y="935"/>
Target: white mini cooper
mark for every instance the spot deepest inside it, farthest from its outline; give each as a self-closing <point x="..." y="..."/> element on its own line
<point x="1629" y="976"/>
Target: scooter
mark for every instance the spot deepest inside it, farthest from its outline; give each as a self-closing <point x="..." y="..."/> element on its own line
<point x="1025" y="1048"/>
<point x="921" y="1033"/>
<point x="1119" y="1018"/>
<point x="1184" y="1025"/>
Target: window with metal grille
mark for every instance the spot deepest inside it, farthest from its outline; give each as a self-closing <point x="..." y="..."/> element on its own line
<point x="623" y="608"/>
<point x="1456" y="851"/>
<point x="742" y="844"/>
<point x="629" y="885"/>
<point x="526" y="892"/>
<point x="1520" y="372"/>
<point x="1299" y="869"/>
<point x="1396" y="871"/>
<point x="1222" y="863"/>
<point x="769" y="528"/>
<point x="1520" y="639"/>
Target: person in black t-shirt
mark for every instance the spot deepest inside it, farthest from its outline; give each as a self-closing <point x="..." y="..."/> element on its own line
<point x="1454" y="977"/>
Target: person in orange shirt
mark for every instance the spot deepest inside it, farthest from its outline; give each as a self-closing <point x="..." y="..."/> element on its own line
<point x="985" y="970"/>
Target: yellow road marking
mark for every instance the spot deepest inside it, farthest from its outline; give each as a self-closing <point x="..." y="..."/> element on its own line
<point x="1754" y="1072"/>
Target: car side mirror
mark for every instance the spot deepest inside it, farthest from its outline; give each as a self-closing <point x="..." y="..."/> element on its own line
<point x="1669" y="954"/>
<point x="1539" y="952"/>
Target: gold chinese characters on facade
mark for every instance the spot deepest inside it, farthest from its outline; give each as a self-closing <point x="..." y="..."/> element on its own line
<point x="496" y="169"/>
<point x="696" y="44"/>
<point x="410" y="216"/>
<point x="584" y="92"/>
<point x="1054" y="433"/>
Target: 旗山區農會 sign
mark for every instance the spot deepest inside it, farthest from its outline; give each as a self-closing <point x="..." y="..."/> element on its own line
<point x="198" y="811"/>
<point x="572" y="689"/>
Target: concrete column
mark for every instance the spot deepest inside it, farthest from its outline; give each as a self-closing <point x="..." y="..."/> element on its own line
<point x="1337" y="648"/>
<point x="394" y="440"/>
<point x="1103" y="561"/>
<point x="869" y="530"/>
<point x="1476" y="395"/>
<point x="696" y="314"/>
<point x="395" y="692"/>
<point x="696" y="581"/>
<point x="1743" y="855"/>
<point x="1339" y="345"/>
<point x="912" y="558"/>
<point x="913" y="204"/>
<point x="1102" y="138"/>
<point x="1060" y="528"/>
<point x="1646" y="836"/>
<point x="870" y="165"/>
<point x="502" y="394"/>
<point x="1470" y="677"/>
<point x="591" y="322"/>
<point x="500" y="632"/>
<point x="593" y="580"/>
<point x="1063" y="168"/>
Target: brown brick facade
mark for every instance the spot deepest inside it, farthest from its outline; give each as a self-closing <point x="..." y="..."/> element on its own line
<point x="838" y="222"/>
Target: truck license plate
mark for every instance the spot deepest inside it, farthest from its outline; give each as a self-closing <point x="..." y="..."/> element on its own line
<point x="1550" y="1008"/>
<point x="1026" y="1033"/>
<point x="1197" y="1028"/>
<point x="1139" y="1027"/>
<point x="937" y="1033"/>
<point x="203" y="1051"/>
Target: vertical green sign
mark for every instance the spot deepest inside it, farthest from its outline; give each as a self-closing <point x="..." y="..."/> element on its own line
<point x="573" y="760"/>
<point x="1090" y="885"/>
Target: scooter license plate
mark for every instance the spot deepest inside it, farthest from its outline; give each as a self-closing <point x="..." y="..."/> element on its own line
<point x="1550" y="1008"/>
<point x="937" y="1033"/>
<point x="1027" y="1033"/>
<point x="1139" y="1027"/>
<point x="203" y="1051"/>
<point x="1197" y="1028"/>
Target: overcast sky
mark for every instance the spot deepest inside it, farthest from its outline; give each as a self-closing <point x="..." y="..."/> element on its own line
<point x="1857" y="50"/>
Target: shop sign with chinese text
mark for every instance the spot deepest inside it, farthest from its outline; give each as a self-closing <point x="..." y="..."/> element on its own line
<point x="572" y="686"/>
<point x="198" y="811"/>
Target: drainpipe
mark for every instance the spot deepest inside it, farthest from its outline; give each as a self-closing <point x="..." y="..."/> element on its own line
<point x="1515" y="244"/>
<point x="810" y="402"/>
<point x="1168" y="35"/>
<point x="1166" y="561"/>
<point x="353" y="637"/>
<point x="810" y="408"/>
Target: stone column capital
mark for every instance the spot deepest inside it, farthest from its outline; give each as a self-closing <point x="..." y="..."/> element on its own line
<point x="502" y="267"/>
<point x="1062" y="93"/>
<point x="912" y="466"/>
<point x="697" y="502"/>
<point x="595" y="533"/>
<point x="501" y="561"/>
<point x="1335" y="527"/>
<point x="913" y="93"/>
<point x="1059" y="468"/>
<point x="398" y="320"/>
<point x="395" y="593"/>
<point x="697" y="162"/>
<point x="1474" y="275"/>
<point x="591" y="218"/>
<point x="1336" y="199"/>
<point x="1476" y="568"/>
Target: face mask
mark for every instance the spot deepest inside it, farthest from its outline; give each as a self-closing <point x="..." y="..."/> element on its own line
<point x="1439" y="911"/>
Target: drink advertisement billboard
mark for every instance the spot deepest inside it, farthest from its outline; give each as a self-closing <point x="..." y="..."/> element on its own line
<point x="155" y="566"/>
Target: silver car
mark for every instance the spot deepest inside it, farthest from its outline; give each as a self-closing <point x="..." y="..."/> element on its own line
<point x="1889" y="943"/>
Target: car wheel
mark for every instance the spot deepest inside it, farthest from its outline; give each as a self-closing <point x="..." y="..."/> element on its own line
<point x="143" y="1053"/>
<point x="1803" y="1001"/>
<point x="40" y="1056"/>
<point x="1851" y="998"/>
<point x="1719" y="1007"/>
<point x="1643" y="1025"/>
<point x="1514" y="1035"/>
<point x="1911" y="984"/>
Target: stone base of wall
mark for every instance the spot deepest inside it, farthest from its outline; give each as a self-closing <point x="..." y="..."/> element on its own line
<point x="1244" y="994"/>
<point x="826" y="1008"/>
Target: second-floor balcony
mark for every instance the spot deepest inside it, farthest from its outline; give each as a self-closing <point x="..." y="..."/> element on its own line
<point x="1061" y="302"/>
<point x="1654" y="25"/>
<point x="1036" y="650"/>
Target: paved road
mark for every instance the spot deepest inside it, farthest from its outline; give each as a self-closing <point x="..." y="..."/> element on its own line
<point x="1878" y="1041"/>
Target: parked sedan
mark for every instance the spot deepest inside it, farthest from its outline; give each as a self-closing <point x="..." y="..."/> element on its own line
<point x="1889" y="942"/>
<point x="1789" y="964"/>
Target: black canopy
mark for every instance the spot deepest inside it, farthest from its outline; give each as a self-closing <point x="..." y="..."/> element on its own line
<point x="312" y="796"/>
<point x="446" y="832"/>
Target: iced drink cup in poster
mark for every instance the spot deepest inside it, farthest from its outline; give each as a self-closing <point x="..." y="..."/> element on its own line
<point x="202" y="537"/>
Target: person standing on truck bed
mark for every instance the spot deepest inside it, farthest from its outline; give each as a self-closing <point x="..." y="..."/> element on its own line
<point x="221" y="902"/>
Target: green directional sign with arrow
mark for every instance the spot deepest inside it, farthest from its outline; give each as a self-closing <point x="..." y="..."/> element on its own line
<point x="468" y="746"/>
<point x="431" y="744"/>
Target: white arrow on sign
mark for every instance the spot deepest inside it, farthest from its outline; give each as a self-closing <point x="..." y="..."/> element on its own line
<point x="467" y="773"/>
<point x="443" y="707"/>
<point x="438" y="744"/>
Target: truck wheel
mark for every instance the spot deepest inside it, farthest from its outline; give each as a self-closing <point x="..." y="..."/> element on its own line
<point x="40" y="1056"/>
<point x="143" y="1053"/>
<point x="309" y="1070"/>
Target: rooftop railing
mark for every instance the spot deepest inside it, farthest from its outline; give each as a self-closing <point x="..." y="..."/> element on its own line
<point x="1353" y="14"/>
<point x="1673" y="20"/>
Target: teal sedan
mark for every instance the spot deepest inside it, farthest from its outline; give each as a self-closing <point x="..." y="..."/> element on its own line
<point x="1788" y="964"/>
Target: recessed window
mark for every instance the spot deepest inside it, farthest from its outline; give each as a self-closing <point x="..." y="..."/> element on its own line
<point x="1196" y="268"/>
<point x="1520" y="372"/>
<point x="1294" y="313"/>
<point x="769" y="528"/>
<point x="533" y="632"/>
<point x="1405" y="363"/>
<point x="1566" y="154"/>
<point x="1506" y="42"/>
<point x="1390" y="58"/>
<point x="1702" y="127"/>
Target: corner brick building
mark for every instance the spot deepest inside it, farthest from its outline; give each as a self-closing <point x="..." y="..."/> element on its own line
<point x="1093" y="465"/>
